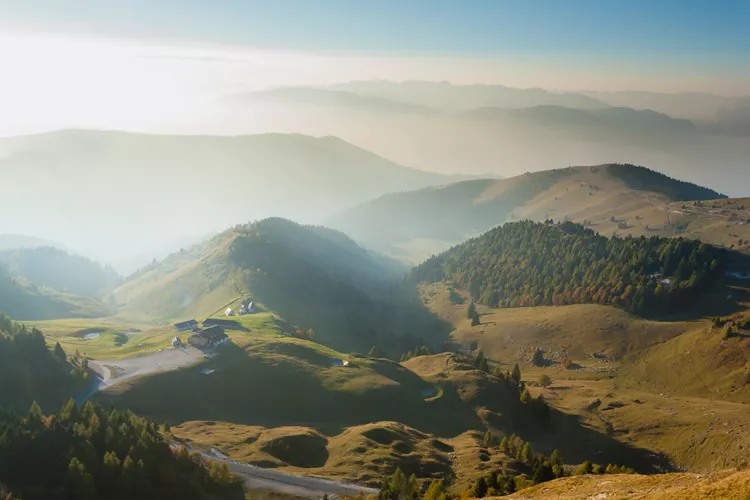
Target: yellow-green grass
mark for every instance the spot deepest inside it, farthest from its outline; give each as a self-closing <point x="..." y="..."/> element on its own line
<point x="267" y="378"/>
<point x="577" y="331"/>
<point x="118" y="339"/>
<point x="726" y="485"/>
<point x="365" y="454"/>
<point x="675" y="369"/>
<point x="695" y="434"/>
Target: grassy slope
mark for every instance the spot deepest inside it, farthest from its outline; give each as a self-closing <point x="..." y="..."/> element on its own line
<point x="189" y="284"/>
<point x="24" y="301"/>
<point x="653" y="378"/>
<point x="413" y="225"/>
<point x="728" y="485"/>
<point x="278" y="380"/>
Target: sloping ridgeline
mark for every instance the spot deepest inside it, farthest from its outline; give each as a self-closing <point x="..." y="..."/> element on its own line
<point x="54" y="268"/>
<point x="645" y="179"/>
<point x="530" y="264"/>
<point x="91" y="453"/>
<point x="319" y="278"/>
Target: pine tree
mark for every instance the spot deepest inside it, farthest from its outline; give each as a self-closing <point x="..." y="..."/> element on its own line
<point x="538" y="359"/>
<point x="527" y="454"/>
<point x="59" y="353"/>
<point x="545" y="380"/>
<point x="483" y="365"/>
<point x="526" y="396"/>
<point x="504" y="445"/>
<point x="434" y="491"/>
<point x="412" y="487"/>
<point x="472" y="314"/>
<point x="585" y="468"/>
<point x="555" y="458"/>
<point x="516" y="373"/>
<point x="480" y="488"/>
<point x="488" y="439"/>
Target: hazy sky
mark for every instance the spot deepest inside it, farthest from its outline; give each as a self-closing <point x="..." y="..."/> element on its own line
<point x="149" y="65"/>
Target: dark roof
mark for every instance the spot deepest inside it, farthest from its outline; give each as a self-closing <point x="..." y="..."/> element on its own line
<point x="212" y="333"/>
<point x="189" y="322"/>
<point x="227" y="323"/>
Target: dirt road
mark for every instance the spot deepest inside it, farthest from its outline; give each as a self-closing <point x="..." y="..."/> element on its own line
<point x="111" y="372"/>
<point x="283" y="482"/>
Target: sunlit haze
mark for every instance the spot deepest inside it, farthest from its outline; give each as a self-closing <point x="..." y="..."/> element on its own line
<point x="239" y="68"/>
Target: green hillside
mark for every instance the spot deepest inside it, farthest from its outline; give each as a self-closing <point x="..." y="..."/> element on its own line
<point x="313" y="278"/>
<point x="612" y="198"/>
<point x="27" y="301"/>
<point x="532" y="264"/>
<point x="53" y="268"/>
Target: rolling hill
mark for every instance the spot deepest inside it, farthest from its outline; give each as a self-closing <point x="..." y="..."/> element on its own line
<point x="131" y="193"/>
<point x="356" y="420"/>
<point x="53" y="268"/>
<point x="312" y="277"/>
<point x="610" y="198"/>
<point x="26" y="301"/>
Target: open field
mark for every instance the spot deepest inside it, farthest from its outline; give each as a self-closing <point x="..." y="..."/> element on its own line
<point x="364" y="454"/>
<point x="727" y="485"/>
<point x="106" y="338"/>
<point x="676" y="388"/>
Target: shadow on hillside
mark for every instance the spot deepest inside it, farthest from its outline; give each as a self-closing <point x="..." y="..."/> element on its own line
<point x="349" y="317"/>
<point x="271" y="390"/>
<point x="227" y="324"/>
<point x="728" y="297"/>
<point x="578" y="442"/>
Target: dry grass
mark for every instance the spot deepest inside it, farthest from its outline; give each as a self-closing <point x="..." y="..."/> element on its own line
<point x="364" y="454"/>
<point x="727" y="485"/>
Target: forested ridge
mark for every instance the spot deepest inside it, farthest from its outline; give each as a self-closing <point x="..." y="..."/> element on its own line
<point x="29" y="371"/>
<point x="91" y="453"/>
<point x="530" y="264"/>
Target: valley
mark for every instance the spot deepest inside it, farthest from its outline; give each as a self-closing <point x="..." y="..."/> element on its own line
<point x="349" y="366"/>
<point x="384" y="250"/>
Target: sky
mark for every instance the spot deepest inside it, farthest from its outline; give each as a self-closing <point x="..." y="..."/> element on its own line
<point x="149" y="64"/>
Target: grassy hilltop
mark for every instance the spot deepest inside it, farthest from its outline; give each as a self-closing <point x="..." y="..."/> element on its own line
<point x="610" y="199"/>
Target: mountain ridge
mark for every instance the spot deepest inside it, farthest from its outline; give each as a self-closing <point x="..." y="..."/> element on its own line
<point x="452" y="213"/>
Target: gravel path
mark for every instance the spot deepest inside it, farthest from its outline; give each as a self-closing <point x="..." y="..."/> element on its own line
<point x="111" y="372"/>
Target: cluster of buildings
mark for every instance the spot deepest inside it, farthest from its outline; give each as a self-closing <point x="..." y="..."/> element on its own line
<point x="247" y="307"/>
<point x="211" y="333"/>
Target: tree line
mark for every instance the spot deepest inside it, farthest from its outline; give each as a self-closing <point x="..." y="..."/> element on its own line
<point x="90" y="453"/>
<point x="531" y="264"/>
<point x="29" y="371"/>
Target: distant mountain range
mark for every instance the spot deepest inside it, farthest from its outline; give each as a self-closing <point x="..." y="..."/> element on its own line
<point x="130" y="193"/>
<point x="413" y="225"/>
<point x="490" y="128"/>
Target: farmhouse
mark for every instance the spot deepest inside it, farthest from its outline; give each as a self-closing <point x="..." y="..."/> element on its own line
<point x="211" y="336"/>
<point x="186" y="325"/>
